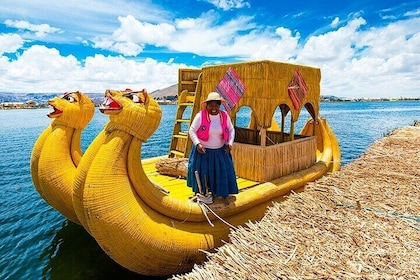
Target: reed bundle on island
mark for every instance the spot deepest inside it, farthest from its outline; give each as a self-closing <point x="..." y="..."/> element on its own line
<point x="362" y="222"/>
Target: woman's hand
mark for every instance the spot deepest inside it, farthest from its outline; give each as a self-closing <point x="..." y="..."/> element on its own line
<point x="228" y="148"/>
<point x="201" y="149"/>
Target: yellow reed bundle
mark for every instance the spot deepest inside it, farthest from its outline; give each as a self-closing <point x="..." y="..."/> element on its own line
<point x="360" y="223"/>
<point x="175" y="167"/>
<point x="264" y="163"/>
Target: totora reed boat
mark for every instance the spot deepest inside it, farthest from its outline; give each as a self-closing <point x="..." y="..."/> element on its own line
<point x="57" y="152"/>
<point x="146" y="218"/>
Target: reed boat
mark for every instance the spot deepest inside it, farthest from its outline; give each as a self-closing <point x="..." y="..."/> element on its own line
<point x="56" y="152"/>
<point x="147" y="220"/>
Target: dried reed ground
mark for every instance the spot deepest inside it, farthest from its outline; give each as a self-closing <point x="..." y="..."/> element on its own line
<point x="360" y="223"/>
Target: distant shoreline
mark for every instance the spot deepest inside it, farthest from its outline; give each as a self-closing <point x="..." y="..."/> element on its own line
<point x="171" y="100"/>
<point x="341" y="99"/>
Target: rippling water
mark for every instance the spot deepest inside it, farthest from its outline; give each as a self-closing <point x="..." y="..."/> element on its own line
<point x="38" y="243"/>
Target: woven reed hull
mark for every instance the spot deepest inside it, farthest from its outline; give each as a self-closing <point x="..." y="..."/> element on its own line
<point x="150" y="232"/>
<point x="53" y="169"/>
<point x="57" y="152"/>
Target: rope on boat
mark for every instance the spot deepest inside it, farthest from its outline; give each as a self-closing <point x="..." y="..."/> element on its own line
<point x="217" y="216"/>
<point x="203" y="199"/>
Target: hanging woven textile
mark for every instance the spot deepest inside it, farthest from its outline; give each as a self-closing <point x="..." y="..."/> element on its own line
<point x="231" y="88"/>
<point x="297" y="90"/>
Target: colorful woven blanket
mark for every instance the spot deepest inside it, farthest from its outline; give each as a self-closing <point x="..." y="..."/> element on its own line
<point x="231" y="88"/>
<point x="297" y="90"/>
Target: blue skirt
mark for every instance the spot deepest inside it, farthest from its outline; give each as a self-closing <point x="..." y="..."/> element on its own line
<point x="215" y="168"/>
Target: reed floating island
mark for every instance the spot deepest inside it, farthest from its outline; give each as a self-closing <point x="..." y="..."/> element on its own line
<point x="145" y="218"/>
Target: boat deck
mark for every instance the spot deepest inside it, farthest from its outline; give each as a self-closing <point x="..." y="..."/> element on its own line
<point x="177" y="187"/>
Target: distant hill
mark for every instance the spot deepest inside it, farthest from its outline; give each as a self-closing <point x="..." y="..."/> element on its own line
<point x="169" y="91"/>
<point x="97" y="98"/>
<point x="42" y="98"/>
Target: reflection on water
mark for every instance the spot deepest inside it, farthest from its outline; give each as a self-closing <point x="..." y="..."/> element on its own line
<point x="74" y="254"/>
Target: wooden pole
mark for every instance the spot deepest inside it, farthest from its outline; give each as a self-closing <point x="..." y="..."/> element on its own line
<point x="292" y="130"/>
<point x="197" y="177"/>
<point x="263" y="133"/>
<point x="282" y="127"/>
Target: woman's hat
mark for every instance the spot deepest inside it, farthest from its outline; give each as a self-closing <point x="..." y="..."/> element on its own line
<point x="214" y="96"/>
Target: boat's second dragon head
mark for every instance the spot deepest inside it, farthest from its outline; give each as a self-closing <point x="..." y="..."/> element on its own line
<point x="72" y="109"/>
<point x="134" y="112"/>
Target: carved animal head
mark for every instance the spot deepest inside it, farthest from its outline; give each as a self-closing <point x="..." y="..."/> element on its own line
<point x="72" y="109"/>
<point x="134" y="112"/>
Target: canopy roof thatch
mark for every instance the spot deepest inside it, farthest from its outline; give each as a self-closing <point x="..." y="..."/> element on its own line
<point x="267" y="87"/>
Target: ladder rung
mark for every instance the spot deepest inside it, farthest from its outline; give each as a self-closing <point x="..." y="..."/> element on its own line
<point x="177" y="153"/>
<point x="183" y="136"/>
<point x="193" y="82"/>
<point x="183" y="120"/>
<point x="186" y="104"/>
<point x="189" y="98"/>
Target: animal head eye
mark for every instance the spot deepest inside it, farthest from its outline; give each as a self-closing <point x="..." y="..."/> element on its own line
<point x="68" y="97"/>
<point x="134" y="97"/>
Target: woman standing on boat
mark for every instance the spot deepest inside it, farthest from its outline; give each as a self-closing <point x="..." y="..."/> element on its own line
<point x="212" y="134"/>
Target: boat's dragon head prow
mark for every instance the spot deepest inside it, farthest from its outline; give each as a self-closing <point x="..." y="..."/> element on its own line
<point x="134" y="112"/>
<point x="72" y="109"/>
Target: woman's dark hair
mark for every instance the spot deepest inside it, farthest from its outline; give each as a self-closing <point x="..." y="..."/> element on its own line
<point x="217" y="101"/>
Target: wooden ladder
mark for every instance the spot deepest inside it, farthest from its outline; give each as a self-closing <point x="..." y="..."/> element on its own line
<point x="189" y="95"/>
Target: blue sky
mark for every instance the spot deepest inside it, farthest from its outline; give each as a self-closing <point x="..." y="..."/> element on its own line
<point x="363" y="48"/>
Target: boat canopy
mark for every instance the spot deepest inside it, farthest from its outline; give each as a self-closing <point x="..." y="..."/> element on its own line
<point x="269" y="85"/>
<point x="261" y="86"/>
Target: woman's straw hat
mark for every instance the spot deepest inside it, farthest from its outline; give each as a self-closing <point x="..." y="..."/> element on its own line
<point x="214" y="96"/>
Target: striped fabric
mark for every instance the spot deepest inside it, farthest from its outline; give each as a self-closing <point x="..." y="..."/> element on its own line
<point x="297" y="90"/>
<point x="231" y="88"/>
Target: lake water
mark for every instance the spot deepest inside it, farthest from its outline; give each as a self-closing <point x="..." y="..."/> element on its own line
<point x="38" y="243"/>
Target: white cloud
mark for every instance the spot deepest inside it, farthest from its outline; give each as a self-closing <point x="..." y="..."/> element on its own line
<point x="42" y="69"/>
<point x="413" y="13"/>
<point x="356" y="58"/>
<point x="10" y="43"/>
<point x="132" y="36"/>
<point x="229" y="4"/>
<point x="376" y="62"/>
<point x="239" y="37"/>
<point x="185" y="23"/>
<point x="79" y="19"/>
<point x="390" y="40"/>
<point x="332" y="46"/>
<point x="132" y="30"/>
<point x="127" y="48"/>
<point x="281" y="48"/>
<point x="203" y="36"/>
<point x="335" y="22"/>
<point x="40" y="64"/>
<point x="40" y="30"/>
